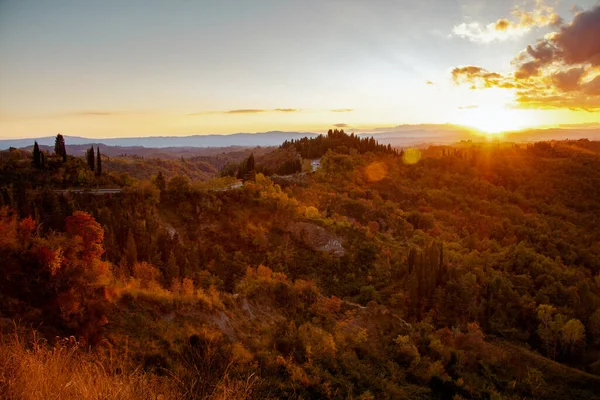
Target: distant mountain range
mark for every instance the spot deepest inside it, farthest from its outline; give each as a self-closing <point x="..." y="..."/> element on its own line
<point x="274" y="138"/>
<point x="398" y="136"/>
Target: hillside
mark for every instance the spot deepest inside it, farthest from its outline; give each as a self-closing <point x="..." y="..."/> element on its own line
<point x="466" y="271"/>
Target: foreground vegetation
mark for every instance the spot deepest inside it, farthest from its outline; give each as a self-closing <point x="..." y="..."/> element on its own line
<point x="470" y="271"/>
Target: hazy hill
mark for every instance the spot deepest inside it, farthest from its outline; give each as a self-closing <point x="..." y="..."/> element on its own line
<point x="274" y="138"/>
<point x="397" y="136"/>
<point x="423" y="135"/>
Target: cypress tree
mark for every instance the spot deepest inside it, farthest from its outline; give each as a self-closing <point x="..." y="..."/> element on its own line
<point x="90" y="158"/>
<point x="250" y="168"/>
<point x="60" y="148"/>
<point x="98" y="162"/>
<point x="37" y="161"/>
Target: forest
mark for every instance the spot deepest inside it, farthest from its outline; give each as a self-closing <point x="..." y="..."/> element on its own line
<point x="469" y="271"/>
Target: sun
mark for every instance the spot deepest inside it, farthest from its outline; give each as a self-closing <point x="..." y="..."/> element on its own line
<point x="495" y="120"/>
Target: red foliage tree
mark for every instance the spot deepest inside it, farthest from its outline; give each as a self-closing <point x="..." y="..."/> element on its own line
<point x="83" y="225"/>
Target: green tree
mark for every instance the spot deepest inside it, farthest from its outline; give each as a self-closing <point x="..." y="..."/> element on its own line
<point x="37" y="161"/>
<point x="91" y="159"/>
<point x="98" y="162"/>
<point x="249" y="170"/>
<point x="60" y="148"/>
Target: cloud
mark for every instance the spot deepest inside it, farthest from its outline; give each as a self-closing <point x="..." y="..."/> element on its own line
<point x="561" y="70"/>
<point x="94" y="113"/>
<point x="503" y="29"/>
<point x="471" y="107"/>
<point x="342" y="110"/>
<point x="245" y="111"/>
<point x="429" y="83"/>
<point x="341" y="125"/>
<point x="480" y="78"/>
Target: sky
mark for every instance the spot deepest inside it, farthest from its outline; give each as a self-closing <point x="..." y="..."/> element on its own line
<point x="115" y="68"/>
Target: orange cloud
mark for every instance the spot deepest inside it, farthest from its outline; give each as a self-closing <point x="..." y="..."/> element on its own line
<point x="559" y="71"/>
<point x="94" y="113"/>
<point x="523" y="22"/>
<point x="245" y="111"/>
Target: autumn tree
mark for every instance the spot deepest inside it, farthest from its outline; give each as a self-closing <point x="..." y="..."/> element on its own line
<point x="551" y="327"/>
<point x="131" y="255"/>
<point x="594" y="326"/>
<point x="171" y="269"/>
<point x="572" y="334"/>
<point x="84" y="226"/>
<point x="160" y="182"/>
<point x="178" y="187"/>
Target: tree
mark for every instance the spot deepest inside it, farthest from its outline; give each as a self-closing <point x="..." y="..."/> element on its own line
<point x="594" y="326"/>
<point x="551" y="327"/>
<point x="60" y="148"/>
<point x="83" y="225"/>
<point x="573" y="332"/>
<point x="179" y="186"/>
<point x="130" y="250"/>
<point x="172" y="269"/>
<point x="98" y="162"/>
<point x="250" y="169"/>
<point x="37" y="160"/>
<point x="160" y="182"/>
<point x="90" y="158"/>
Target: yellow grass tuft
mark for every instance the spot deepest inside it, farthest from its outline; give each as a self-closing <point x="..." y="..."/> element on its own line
<point x="34" y="370"/>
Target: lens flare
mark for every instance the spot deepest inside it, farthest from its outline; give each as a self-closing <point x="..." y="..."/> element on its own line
<point x="411" y="156"/>
<point x="376" y="171"/>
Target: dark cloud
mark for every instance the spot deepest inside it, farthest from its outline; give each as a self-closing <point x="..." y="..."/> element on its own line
<point x="593" y="87"/>
<point x="341" y="110"/>
<point x="341" y="125"/>
<point x="559" y="71"/>
<point x="580" y="40"/>
<point x="286" y="110"/>
<point x="567" y="81"/>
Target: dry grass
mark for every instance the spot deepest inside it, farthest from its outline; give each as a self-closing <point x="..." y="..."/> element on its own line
<point x="33" y="370"/>
<point x="30" y="369"/>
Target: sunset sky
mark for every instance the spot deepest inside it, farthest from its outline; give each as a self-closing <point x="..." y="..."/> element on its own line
<point x="117" y="68"/>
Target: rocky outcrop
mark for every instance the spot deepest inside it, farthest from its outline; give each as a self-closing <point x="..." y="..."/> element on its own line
<point x="317" y="238"/>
